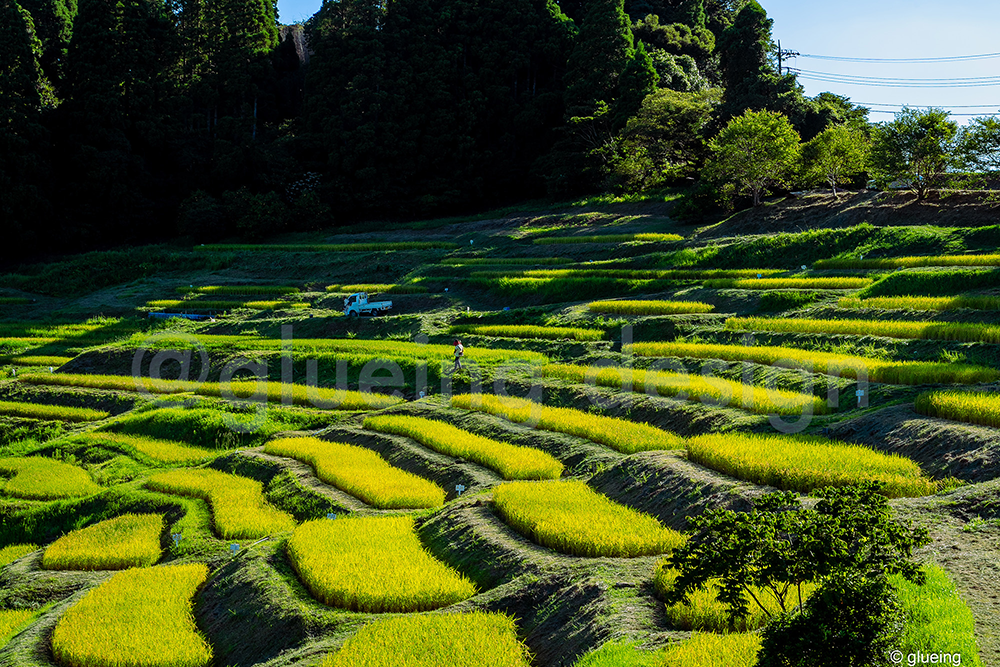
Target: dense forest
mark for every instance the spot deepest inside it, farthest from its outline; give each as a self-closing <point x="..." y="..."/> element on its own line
<point x="137" y="120"/>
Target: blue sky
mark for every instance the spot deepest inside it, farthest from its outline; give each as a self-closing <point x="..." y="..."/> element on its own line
<point x="872" y="29"/>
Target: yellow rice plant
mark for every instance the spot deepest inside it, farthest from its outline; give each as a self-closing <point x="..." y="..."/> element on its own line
<point x="909" y="262"/>
<point x="361" y="473"/>
<point x="475" y="639"/>
<point x="805" y="463"/>
<point x="239" y="510"/>
<point x="204" y="304"/>
<point x="628" y="274"/>
<point x="241" y="290"/>
<point x="129" y="540"/>
<point x="625" y="436"/>
<point x="841" y="365"/>
<point x="570" y="517"/>
<point x="703" y="612"/>
<point x="706" y="649"/>
<point x="12" y="620"/>
<point x="922" y="303"/>
<point x="52" y="412"/>
<point x="36" y="360"/>
<point x="377" y="288"/>
<point x="986" y="333"/>
<point x="713" y="390"/>
<point x="38" y="478"/>
<point x="610" y="238"/>
<point x="326" y="247"/>
<point x="962" y="406"/>
<point x="138" y="618"/>
<point x="499" y="261"/>
<point x="166" y="451"/>
<point x="791" y="283"/>
<point x="511" y="461"/>
<point x="528" y="331"/>
<point x="13" y="552"/>
<point x="373" y="564"/>
<point x="649" y="307"/>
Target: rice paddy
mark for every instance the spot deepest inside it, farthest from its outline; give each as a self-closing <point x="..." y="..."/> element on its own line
<point x="476" y="639"/>
<point x="361" y="473"/>
<point x="706" y="649"/>
<point x="611" y="238"/>
<point x="962" y="406"/>
<point x="937" y="619"/>
<point x="511" y="461"/>
<point x="986" y="333"/>
<point x="649" y="307"/>
<point x="791" y="283"/>
<point x="627" y="437"/>
<point x="501" y="261"/>
<point x="240" y="290"/>
<point x="206" y="304"/>
<point x="12" y="620"/>
<point x="909" y="262"/>
<point x="13" y="552"/>
<point x="36" y="360"/>
<point x="38" y="478"/>
<point x="164" y="451"/>
<point x="51" y="412"/>
<point x="806" y="463"/>
<point x="129" y="540"/>
<point x="138" y="618"/>
<point x="570" y="517"/>
<point x="377" y="288"/>
<point x="528" y="331"/>
<point x="373" y="564"/>
<point x="326" y="247"/>
<point x="922" y="303"/>
<point x="239" y="510"/>
<point x="841" y="365"/>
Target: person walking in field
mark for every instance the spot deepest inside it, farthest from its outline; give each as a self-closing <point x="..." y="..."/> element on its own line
<point x="459" y="351"/>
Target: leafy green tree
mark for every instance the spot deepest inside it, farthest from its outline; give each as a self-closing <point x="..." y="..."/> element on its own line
<point x="692" y="13"/>
<point x="54" y="25"/>
<point x="754" y="152"/>
<point x="836" y="155"/>
<point x="637" y="81"/>
<point x="745" y="49"/>
<point x="979" y="145"/>
<point x="602" y="51"/>
<point x="917" y="147"/>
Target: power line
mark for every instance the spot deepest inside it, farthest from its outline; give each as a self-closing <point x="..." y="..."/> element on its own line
<point x="899" y="79"/>
<point x="960" y="115"/>
<point x="940" y="106"/>
<point x="945" y="59"/>
<point x="878" y="84"/>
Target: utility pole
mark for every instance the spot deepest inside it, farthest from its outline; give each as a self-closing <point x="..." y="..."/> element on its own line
<point x="784" y="54"/>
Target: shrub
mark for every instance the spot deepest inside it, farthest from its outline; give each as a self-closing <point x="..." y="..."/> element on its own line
<point x="129" y="540"/>
<point x="39" y="478"/>
<point x="528" y="331"/>
<point x="649" y="307"/>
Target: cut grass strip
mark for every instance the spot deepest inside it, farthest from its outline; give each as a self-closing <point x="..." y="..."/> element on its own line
<point x="138" y="618"/>
<point x="165" y="451"/>
<point x="373" y="564"/>
<point x="710" y="390"/>
<point x="206" y="304"/>
<point x="52" y="412"/>
<point x="706" y="649"/>
<point x="841" y="365"/>
<point x="13" y="552"/>
<point x="326" y="247"/>
<point x="909" y="262"/>
<point x="500" y="261"/>
<point x="922" y="303"/>
<point x="511" y="461"/>
<point x="806" y="463"/>
<point x="621" y="435"/>
<point x="129" y="540"/>
<point x="961" y="406"/>
<point x="528" y="331"/>
<point x="791" y="283"/>
<point x="986" y="333"/>
<point x="570" y="517"/>
<point x="240" y="290"/>
<point x="239" y="510"/>
<point x="328" y="399"/>
<point x="476" y="639"/>
<point x="12" y="620"/>
<point x="38" y="478"/>
<point x="377" y="288"/>
<point x="361" y="473"/>
<point x="649" y="307"/>
<point x="610" y="238"/>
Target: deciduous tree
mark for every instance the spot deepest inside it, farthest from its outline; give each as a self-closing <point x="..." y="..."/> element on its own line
<point x="836" y="155"/>
<point x="917" y="148"/>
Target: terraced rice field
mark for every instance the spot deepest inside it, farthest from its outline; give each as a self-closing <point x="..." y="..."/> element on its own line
<point x="13" y="552"/>
<point x="164" y="451"/>
<point x="360" y="472"/>
<point x="52" y="412"/>
<point x="922" y="303"/>
<point x="377" y="288"/>
<point x="207" y="304"/>
<point x="964" y="406"/>
<point x="129" y="540"/>
<point x="649" y="307"/>
<point x="11" y="621"/>
<point x="527" y="331"/>
<point x="39" y="478"/>
<point x="909" y="262"/>
<point x="240" y="290"/>
<point x="570" y="517"/>
<point x="985" y="333"/>
<point x="373" y="564"/>
<point x="791" y="283"/>
<point x="611" y="238"/>
<point x="325" y="247"/>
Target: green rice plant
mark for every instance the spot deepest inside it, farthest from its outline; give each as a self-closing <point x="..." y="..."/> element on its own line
<point x="621" y="653"/>
<point x="713" y="390"/>
<point x="937" y="619"/>
<point x="499" y="261"/>
<point x="13" y="301"/>
<point x="511" y="461"/>
<point x="528" y="331"/>
<point x="961" y="406"/>
<point x="706" y="649"/>
<point x="938" y="282"/>
<point x="909" y="262"/>
<point x="570" y="517"/>
<point x="841" y="365"/>
<point x="377" y="288"/>
<point x="239" y="510"/>
<point x="165" y="451"/>
<point x="12" y="620"/>
<point x="985" y="333"/>
<point x="205" y="304"/>
<point x="629" y="274"/>
<point x="240" y="290"/>
<point x="32" y="360"/>
<point x="330" y="399"/>
<point x="13" y="552"/>
<point x="38" y="478"/>
<point x="138" y="618"/>
<point x="610" y="238"/>
<point x="373" y="564"/>
<point x="129" y="540"/>
<point x="791" y="283"/>
<point x="361" y="473"/>
<point x="649" y="307"/>
<point x="805" y="463"/>
<point x="625" y="436"/>
<point x="476" y="639"/>
<point x="326" y="247"/>
<point x="922" y="303"/>
<point x="52" y="412"/>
